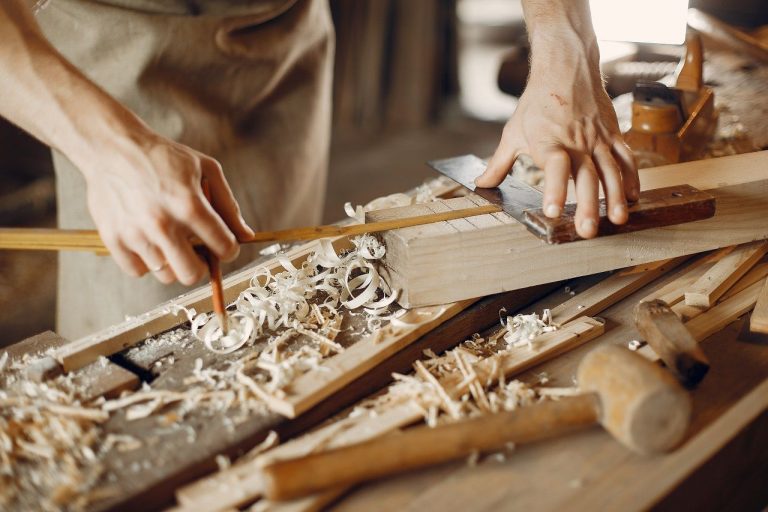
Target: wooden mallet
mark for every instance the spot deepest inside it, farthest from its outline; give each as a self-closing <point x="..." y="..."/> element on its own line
<point x="635" y="400"/>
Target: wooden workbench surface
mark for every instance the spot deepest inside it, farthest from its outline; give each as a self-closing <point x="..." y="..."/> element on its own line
<point x="723" y="463"/>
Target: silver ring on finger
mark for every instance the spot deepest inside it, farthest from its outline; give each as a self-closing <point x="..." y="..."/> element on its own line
<point x="159" y="268"/>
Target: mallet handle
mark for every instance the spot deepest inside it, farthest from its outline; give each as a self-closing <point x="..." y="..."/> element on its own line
<point x="424" y="446"/>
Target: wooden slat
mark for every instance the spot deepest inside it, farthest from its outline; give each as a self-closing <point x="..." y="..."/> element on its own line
<point x="759" y="320"/>
<point x="612" y="289"/>
<point x="505" y="257"/>
<point x="717" y="280"/>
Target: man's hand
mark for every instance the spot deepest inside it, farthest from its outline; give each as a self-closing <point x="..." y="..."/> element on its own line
<point x="144" y="191"/>
<point x="565" y="120"/>
<point x="147" y="202"/>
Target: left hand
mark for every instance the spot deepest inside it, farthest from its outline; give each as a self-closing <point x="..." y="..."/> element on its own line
<point x="566" y="122"/>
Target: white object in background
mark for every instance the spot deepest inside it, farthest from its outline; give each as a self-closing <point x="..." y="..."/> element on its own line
<point x="640" y="21"/>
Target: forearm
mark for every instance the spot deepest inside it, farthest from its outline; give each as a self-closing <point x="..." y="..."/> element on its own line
<point x="48" y="97"/>
<point x="562" y="38"/>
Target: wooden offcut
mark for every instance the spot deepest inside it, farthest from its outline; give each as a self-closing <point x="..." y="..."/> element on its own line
<point x="486" y="254"/>
<point x="715" y="282"/>
<point x="759" y="320"/>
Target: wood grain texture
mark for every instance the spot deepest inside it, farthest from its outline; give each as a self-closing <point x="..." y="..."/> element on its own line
<point x="504" y="256"/>
<point x="655" y="208"/>
<point x="717" y="280"/>
<point x="759" y="319"/>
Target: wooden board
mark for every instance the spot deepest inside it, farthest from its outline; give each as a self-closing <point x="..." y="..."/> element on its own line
<point x="721" y="466"/>
<point x="499" y="253"/>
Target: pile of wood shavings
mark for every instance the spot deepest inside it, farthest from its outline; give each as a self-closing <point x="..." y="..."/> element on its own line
<point x="493" y="394"/>
<point x="307" y="300"/>
<point x="51" y="443"/>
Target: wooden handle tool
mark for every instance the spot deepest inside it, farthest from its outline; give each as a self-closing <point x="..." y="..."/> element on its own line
<point x="214" y="271"/>
<point x="89" y="240"/>
<point x="663" y="330"/>
<point x="639" y="403"/>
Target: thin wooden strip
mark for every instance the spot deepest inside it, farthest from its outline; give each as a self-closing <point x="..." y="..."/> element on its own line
<point x="759" y="320"/>
<point x="343" y="368"/>
<point x="242" y="483"/>
<point x="724" y="313"/>
<point x="715" y="282"/>
<point x="52" y="239"/>
<point x="674" y="291"/>
<point x="757" y="273"/>
<point x="612" y="289"/>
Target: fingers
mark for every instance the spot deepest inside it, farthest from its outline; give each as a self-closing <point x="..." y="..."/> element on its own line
<point x="557" y="169"/>
<point x="587" y="188"/>
<point x="611" y="177"/>
<point x="128" y="261"/>
<point x="499" y="166"/>
<point x="155" y="261"/>
<point x="224" y="202"/>
<point x="196" y="215"/>
<point x="183" y="263"/>
<point x="626" y="160"/>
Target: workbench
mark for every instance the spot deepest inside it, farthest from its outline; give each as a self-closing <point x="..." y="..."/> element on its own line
<point x="723" y="463"/>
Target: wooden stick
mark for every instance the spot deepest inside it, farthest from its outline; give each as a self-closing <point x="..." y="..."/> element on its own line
<point x="714" y="283"/>
<point x="759" y="320"/>
<point x="89" y="240"/>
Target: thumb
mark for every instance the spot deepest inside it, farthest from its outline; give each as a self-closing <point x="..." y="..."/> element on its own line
<point x="499" y="166"/>
<point x="224" y="202"/>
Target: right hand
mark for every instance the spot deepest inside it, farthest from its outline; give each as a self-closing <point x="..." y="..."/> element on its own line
<point x="146" y="199"/>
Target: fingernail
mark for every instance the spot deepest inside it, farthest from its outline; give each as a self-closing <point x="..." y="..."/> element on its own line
<point x="589" y="226"/>
<point x="552" y="210"/>
<point x="619" y="210"/>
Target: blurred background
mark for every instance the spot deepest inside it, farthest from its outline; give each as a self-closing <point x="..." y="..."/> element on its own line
<point x="420" y="80"/>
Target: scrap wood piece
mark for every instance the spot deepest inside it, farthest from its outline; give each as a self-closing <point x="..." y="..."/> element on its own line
<point x="715" y="282"/>
<point x="612" y="289"/>
<point x="759" y="319"/>
<point x="757" y="273"/>
<point x="242" y="483"/>
<point x="674" y="291"/>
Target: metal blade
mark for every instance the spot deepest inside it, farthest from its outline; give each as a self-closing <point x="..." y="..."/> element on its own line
<point x="512" y="195"/>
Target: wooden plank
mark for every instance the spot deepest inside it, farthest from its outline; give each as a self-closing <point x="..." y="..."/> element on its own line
<point x="717" y="280"/>
<point x="506" y="257"/>
<point x="718" y="317"/>
<point x="612" y="289"/>
<point x="341" y="369"/>
<point x="759" y="320"/>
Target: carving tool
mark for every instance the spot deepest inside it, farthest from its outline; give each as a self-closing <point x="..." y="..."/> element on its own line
<point x="655" y="208"/>
<point x="663" y="330"/>
<point x="635" y="400"/>
<point x="214" y="272"/>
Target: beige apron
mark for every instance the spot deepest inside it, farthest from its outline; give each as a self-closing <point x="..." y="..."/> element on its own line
<point x="247" y="82"/>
